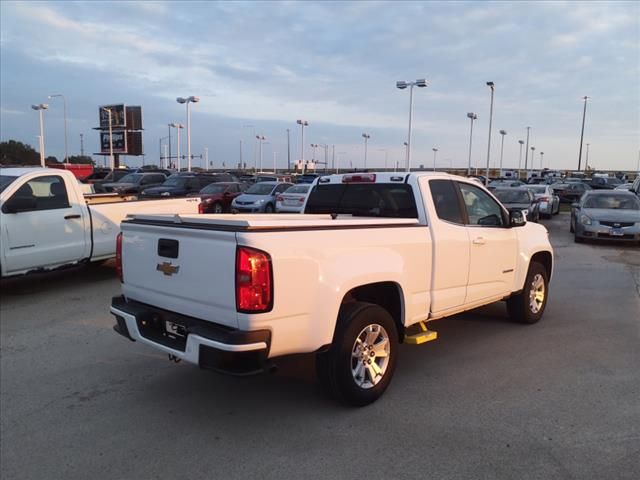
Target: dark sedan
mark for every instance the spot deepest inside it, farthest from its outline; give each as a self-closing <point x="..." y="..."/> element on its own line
<point x="571" y="192"/>
<point x="178" y="185"/>
<point x="135" y="182"/>
<point x="217" y="197"/>
<point x="521" y="198"/>
<point x="608" y="215"/>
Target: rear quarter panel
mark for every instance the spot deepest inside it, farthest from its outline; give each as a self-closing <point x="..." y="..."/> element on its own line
<point x="314" y="270"/>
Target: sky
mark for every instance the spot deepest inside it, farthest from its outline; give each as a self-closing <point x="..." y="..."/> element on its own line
<point x="259" y="66"/>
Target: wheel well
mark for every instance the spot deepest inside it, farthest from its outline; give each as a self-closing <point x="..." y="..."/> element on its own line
<point x="388" y="295"/>
<point x="545" y="259"/>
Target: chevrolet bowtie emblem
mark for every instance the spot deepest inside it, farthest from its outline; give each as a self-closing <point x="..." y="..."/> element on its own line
<point x="167" y="268"/>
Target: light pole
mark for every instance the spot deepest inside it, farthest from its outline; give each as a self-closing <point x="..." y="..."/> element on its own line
<point x="526" y="155"/>
<point x="435" y="152"/>
<point x="40" y="108"/>
<point x="366" y="139"/>
<point x="491" y="85"/>
<point x="584" y="114"/>
<point x="302" y="123"/>
<point x="541" y="162"/>
<point x="288" y="151"/>
<point x="64" y="106"/>
<point x="533" y="149"/>
<point x="586" y="160"/>
<point x="503" y="133"/>
<point x="402" y="85"/>
<point x="177" y="126"/>
<point x="406" y="154"/>
<point x="188" y="100"/>
<point x="471" y="116"/>
<point x="261" y="139"/>
<point x="206" y="157"/>
<point x="521" y="142"/>
<point x="112" y="163"/>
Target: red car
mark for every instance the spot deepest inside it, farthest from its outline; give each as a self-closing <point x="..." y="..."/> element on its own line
<point x="217" y="197"/>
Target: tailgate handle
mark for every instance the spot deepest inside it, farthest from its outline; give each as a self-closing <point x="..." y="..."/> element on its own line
<point x="70" y="217"/>
<point x="168" y="248"/>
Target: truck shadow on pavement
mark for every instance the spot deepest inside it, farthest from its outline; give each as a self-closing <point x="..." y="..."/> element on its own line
<point x="186" y="390"/>
<point x="58" y="280"/>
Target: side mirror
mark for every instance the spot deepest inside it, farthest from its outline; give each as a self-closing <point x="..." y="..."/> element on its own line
<point x="517" y="218"/>
<point x="20" y="204"/>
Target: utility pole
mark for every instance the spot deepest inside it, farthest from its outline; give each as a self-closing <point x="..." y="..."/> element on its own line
<point x="81" y="145"/>
<point x="526" y="156"/>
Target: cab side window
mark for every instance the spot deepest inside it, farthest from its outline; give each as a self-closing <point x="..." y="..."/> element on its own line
<point x="42" y="193"/>
<point x="445" y="199"/>
<point x="481" y="208"/>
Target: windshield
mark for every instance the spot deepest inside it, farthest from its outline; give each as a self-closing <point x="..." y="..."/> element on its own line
<point x="5" y="181"/>
<point x="260" y="189"/>
<point x="214" y="188"/>
<point x="613" y="202"/>
<point x="131" y="178"/>
<point x="298" y="189"/>
<point x="175" y="181"/>
<point x="512" y="196"/>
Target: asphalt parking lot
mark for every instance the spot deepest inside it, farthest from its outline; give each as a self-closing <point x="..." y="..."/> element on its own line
<point x="489" y="399"/>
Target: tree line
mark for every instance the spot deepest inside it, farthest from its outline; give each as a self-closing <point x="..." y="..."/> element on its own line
<point x="13" y="152"/>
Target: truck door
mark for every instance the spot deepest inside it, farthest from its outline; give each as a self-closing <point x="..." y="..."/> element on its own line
<point x="493" y="247"/>
<point x="42" y="227"/>
<point x="450" y="272"/>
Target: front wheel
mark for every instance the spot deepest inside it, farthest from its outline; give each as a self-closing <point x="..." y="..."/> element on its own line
<point x="268" y="208"/>
<point x="528" y="306"/>
<point x="359" y="365"/>
<point x="217" y="208"/>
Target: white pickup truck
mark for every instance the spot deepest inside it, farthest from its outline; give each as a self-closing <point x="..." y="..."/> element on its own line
<point x="375" y="257"/>
<point x="47" y="222"/>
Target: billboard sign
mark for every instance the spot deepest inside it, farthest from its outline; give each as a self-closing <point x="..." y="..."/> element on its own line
<point x="119" y="142"/>
<point x="118" y="116"/>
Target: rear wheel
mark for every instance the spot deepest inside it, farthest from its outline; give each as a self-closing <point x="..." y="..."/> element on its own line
<point x="529" y="305"/>
<point x="268" y="208"/>
<point x="359" y="365"/>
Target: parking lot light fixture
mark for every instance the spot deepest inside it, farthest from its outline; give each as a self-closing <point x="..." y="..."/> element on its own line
<point x="521" y="142"/>
<point x="366" y="137"/>
<point x="177" y="126"/>
<point x="261" y="139"/>
<point x="421" y="82"/>
<point x="502" y="133"/>
<point x="472" y="116"/>
<point x="187" y="101"/>
<point x="526" y="154"/>
<point x="541" y="161"/>
<point x="302" y="123"/>
<point x="40" y="108"/>
<point x="584" y="114"/>
<point x="491" y="85"/>
<point x="435" y="152"/>
<point x="533" y="149"/>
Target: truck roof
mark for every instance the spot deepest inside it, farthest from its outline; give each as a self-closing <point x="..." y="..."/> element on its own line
<point x="382" y="177"/>
<point x="19" y="171"/>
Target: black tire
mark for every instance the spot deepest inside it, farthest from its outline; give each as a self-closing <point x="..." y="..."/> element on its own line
<point x="577" y="239"/>
<point x="520" y="307"/>
<point x="217" y="208"/>
<point x="334" y="367"/>
<point x="268" y="208"/>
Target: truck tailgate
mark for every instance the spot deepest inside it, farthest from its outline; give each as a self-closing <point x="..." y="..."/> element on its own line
<point x="184" y="270"/>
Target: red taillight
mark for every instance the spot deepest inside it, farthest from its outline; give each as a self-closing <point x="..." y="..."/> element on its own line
<point x="301" y="199"/>
<point x="119" y="257"/>
<point x="201" y="207"/>
<point x="359" y="178"/>
<point x="279" y="198"/>
<point x="254" y="289"/>
<point x="544" y="199"/>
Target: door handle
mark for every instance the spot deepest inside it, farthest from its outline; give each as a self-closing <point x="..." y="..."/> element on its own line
<point x="70" y="217"/>
<point x="479" y="241"/>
